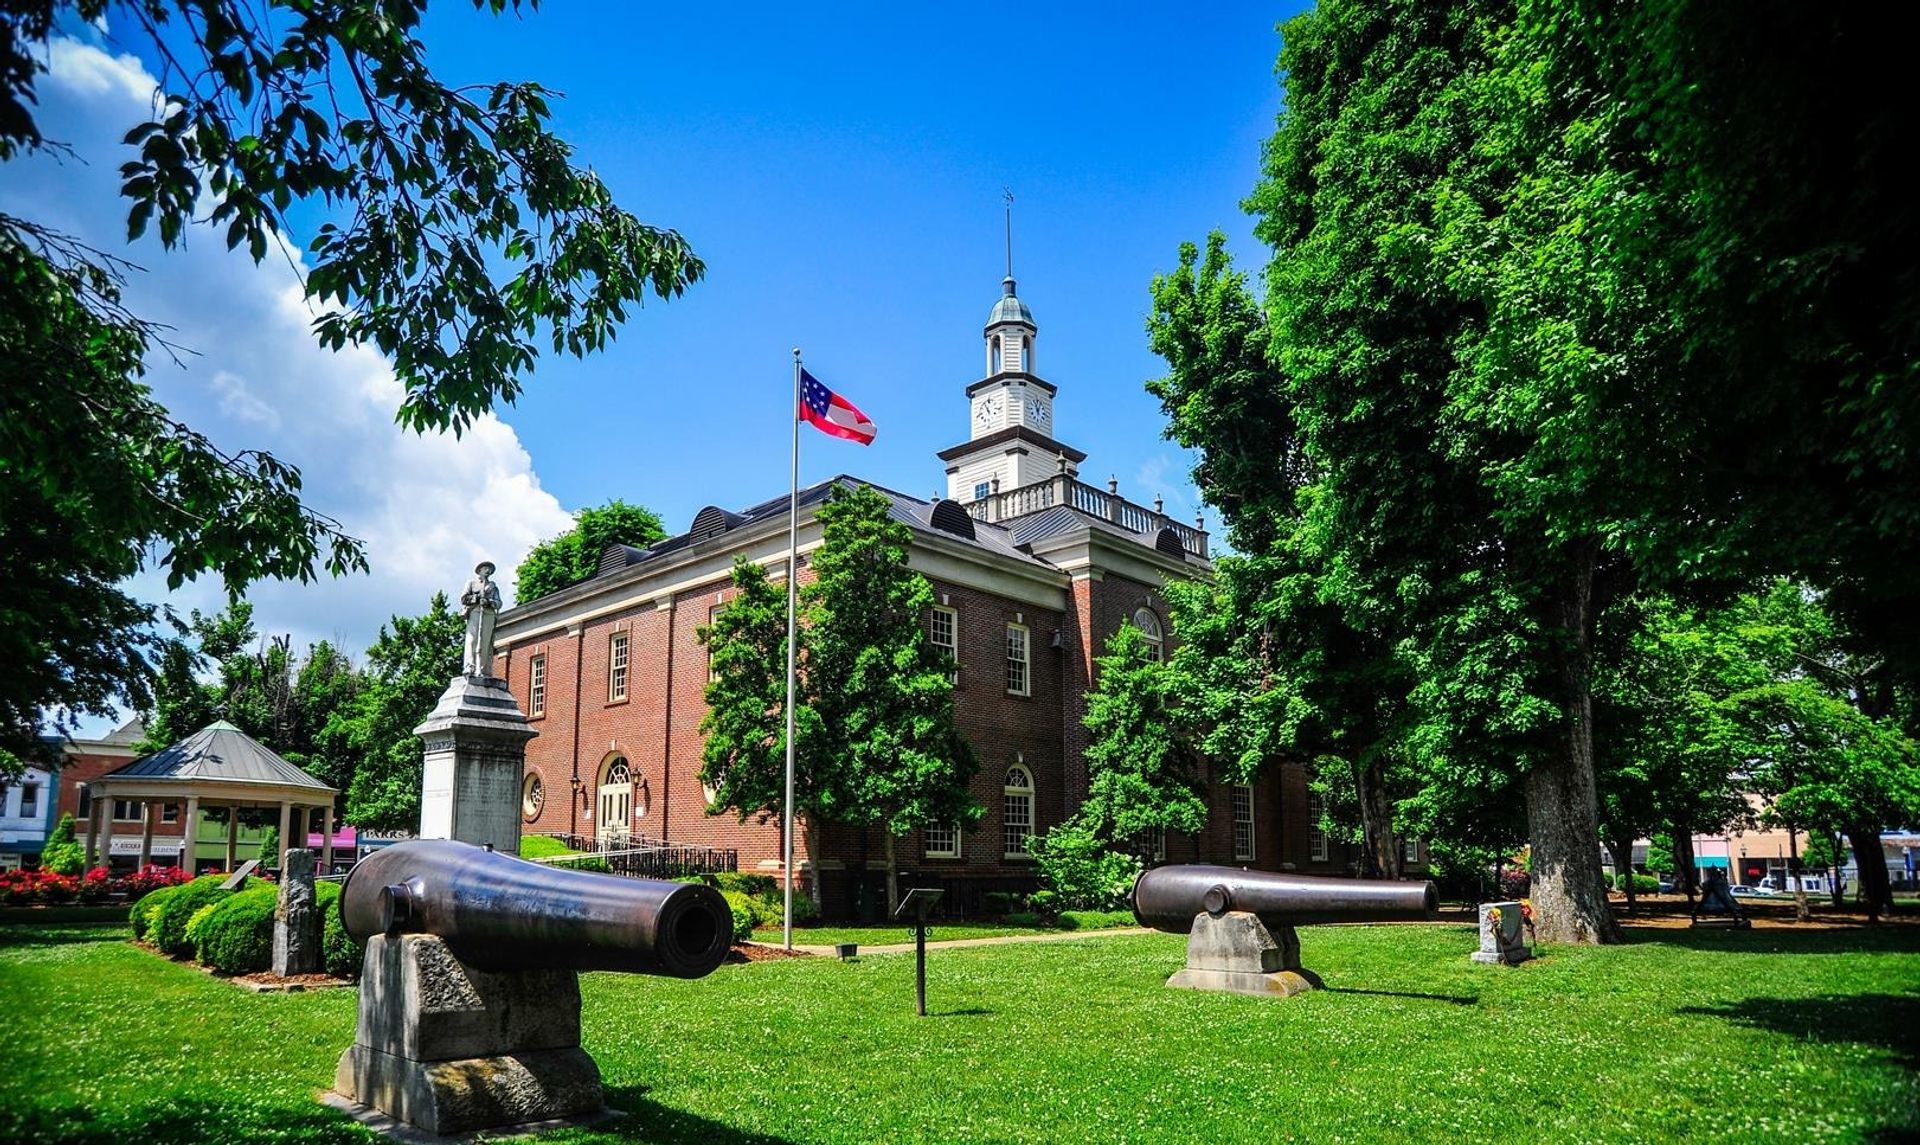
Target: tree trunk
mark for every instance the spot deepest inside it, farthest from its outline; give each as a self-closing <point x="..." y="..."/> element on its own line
<point x="893" y="876"/>
<point x="1683" y="863"/>
<point x="1622" y="849"/>
<point x="1380" y="851"/>
<point x="1801" y="911"/>
<point x="1563" y="816"/>
<point x="1833" y="868"/>
<point x="1876" y="890"/>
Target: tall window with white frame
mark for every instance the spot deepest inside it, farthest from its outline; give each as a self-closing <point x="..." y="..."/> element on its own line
<point x="29" y="801"/>
<point x="1149" y="626"/>
<point x="537" y="686"/>
<point x="617" y="667"/>
<point x="943" y="632"/>
<point x="1242" y="822"/>
<point x="127" y="810"/>
<point x="1157" y="840"/>
<point x="1019" y="666"/>
<point x="1318" y="848"/>
<point x="942" y="840"/>
<point x="1410" y="850"/>
<point x="1017" y="814"/>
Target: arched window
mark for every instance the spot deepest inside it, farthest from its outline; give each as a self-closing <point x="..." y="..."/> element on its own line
<point x="1017" y="816"/>
<point x="993" y="355"/>
<point x="1149" y="626"/>
<point x="1026" y="354"/>
<point x="532" y="797"/>
<point x="616" y="800"/>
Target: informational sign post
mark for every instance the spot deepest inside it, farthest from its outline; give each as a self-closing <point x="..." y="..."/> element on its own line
<point x="915" y="908"/>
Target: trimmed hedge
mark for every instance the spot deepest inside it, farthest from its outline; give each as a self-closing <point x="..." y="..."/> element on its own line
<point x="1096" y="919"/>
<point x="343" y="953"/>
<point x="143" y="912"/>
<point x="169" y="919"/>
<point x="236" y="937"/>
<point x="744" y="916"/>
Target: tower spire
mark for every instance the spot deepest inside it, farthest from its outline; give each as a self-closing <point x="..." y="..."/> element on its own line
<point x="1007" y="193"/>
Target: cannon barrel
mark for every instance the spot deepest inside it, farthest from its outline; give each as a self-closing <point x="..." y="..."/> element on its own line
<point x="500" y="912"/>
<point x="1168" y="898"/>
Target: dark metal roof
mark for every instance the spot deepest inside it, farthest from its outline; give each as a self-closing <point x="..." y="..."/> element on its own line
<point x="218" y="753"/>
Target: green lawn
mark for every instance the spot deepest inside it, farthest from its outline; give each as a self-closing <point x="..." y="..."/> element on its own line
<point x="1764" y="1036"/>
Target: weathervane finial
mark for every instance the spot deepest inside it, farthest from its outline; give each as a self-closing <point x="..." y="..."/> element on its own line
<point x="1007" y="194"/>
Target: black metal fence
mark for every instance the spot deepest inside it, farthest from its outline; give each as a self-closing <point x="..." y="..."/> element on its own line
<point x="641" y="858"/>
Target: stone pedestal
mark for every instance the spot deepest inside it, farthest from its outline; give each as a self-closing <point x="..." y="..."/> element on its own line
<point x="1504" y="941"/>
<point x="449" y="1049"/>
<point x="1237" y="953"/>
<point x="296" y="921"/>
<point x="476" y="758"/>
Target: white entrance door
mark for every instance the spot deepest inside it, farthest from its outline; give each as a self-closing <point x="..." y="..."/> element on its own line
<point x="616" y="805"/>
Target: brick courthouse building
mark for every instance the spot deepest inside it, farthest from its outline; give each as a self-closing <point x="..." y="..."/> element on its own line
<point x="1033" y="571"/>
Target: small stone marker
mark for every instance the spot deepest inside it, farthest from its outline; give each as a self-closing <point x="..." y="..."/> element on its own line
<point x="239" y="877"/>
<point x="296" y="921"/>
<point x="1502" y="937"/>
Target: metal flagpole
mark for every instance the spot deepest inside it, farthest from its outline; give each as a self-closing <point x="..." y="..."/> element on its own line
<point x="793" y="573"/>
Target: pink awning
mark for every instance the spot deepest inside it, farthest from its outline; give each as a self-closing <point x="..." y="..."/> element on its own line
<point x="343" y="839"/>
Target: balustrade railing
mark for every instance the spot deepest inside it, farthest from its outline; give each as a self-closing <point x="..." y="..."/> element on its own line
<point x="1094" y="502"/>
<point x="641" y="858"/>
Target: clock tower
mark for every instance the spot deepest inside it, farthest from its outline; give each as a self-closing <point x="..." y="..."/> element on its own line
<point x="1010" y="440"/>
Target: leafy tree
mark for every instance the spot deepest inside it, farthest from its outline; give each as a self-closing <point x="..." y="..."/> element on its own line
<point x="1142" y="767"/>
<point x="744" y="756"/>
<point x="464" y="235"/>
<point x="408" y="668"/>
<point x="1081" y="869"/>
<point x="574" y="555"/>
<point x="881" y="692"/>
<point x="62" y="853"/>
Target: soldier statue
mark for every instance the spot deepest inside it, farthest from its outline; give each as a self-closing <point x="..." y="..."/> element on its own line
<point x="481" y="600"/>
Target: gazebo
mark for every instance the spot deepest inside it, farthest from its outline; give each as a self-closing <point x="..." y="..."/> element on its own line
<point x="217" y="766"/>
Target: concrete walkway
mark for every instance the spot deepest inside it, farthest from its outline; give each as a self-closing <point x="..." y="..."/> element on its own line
<point x="952" y="943"/>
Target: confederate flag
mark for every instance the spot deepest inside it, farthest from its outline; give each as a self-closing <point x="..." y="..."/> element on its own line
<point x="831" y="413"/>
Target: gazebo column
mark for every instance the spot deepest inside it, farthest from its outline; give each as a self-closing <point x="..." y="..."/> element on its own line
<point x="286" y="828"/>
<point x="96" y="846"/>
<point x="233" y="834"/>
<point x="146" y="835"/>
<point x="189" y="842"/>
<point x="326" y="837"/>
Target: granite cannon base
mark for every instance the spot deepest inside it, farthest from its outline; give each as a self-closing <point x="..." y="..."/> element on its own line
<point x="468" y="1094"/>
<point x="448" y="1049"/>
<point x="1236" y="953"/>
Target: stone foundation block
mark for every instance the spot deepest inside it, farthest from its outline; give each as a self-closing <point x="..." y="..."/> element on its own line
<point x="467" y="1094"/>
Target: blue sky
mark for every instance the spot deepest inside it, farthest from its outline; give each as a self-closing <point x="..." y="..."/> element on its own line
<point x="840" y="171"/>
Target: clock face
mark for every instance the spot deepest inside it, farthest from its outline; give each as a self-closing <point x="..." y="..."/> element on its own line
<point x="989" y="409"/>
<point x="1038" y="410"/>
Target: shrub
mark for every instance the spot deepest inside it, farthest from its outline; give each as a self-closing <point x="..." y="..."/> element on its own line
<point x="1080" y="869"/>
<point x="235" y="935"/>
<point x="1096" y="919"/>
<point x="1024" y="918"/>
<point x="543" y="847"/>
<point x="96" y="885"/>
<point x="1514" y="884"/>
<point x="1642" y="884"/>
<point x="169" y="919"/>
<point x="343" y="952"/>
<point x="150" y="878"/>
<point x="996" y="904"/>
<point x="62" y="854"/>
<point x="24" y="888"/>
<point x="143" y="912"/>
<point x="753" y="886"/>
<point x="743" y="915"/>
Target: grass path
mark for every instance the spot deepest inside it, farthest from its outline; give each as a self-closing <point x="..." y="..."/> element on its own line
<point x="1762" y="1036"/>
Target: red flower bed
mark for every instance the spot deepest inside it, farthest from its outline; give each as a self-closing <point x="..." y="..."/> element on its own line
<point x="44" y="888"/>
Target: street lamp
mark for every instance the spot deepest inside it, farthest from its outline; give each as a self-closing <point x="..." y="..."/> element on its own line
<point x="1743" y="863"/>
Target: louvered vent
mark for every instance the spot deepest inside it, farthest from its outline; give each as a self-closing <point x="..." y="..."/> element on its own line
<point x="951" y="517"/>
<point x="711" y="522"/>
<point x="613" y="558"/>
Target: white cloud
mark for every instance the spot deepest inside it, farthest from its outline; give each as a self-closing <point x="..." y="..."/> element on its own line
<point x="428" y="507"/>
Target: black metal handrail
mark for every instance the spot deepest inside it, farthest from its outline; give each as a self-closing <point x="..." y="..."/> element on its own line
<point x="638" y="857"/>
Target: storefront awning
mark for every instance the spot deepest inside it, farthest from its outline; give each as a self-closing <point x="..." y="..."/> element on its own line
<point x="1705" y="861"/>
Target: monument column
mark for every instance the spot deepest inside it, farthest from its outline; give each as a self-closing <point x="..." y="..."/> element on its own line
<point x="475" y="740"/>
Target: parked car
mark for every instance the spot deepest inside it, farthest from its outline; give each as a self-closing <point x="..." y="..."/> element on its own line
<point x="1666" y="888"/>
<point x="1744" y="892"/>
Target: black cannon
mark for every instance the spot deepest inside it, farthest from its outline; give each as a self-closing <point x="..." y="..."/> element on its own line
<point x="498" y="912"/>
<point x="1241" y="922"/>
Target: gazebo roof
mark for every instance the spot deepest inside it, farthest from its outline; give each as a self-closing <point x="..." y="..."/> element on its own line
<point x="219" y="753"/>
